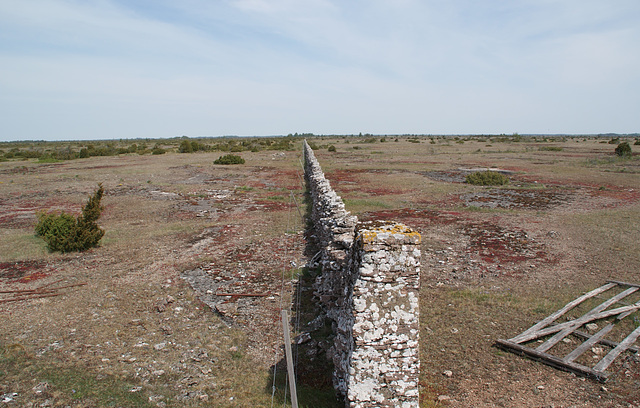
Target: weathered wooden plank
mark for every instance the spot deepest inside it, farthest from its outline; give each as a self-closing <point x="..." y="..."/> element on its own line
<point x="552" y="360"/>
<point x="236" y="296"/>
<point x="550" y="319"/>
<point x="30" y="296"/>
<point x="562" y="326"/>
<point x="588" y="344"/>
<point x="624" y="345"/>
<point x="289" y="356"/>
<point x="596" y="338"/>
<point x="606" y="342"/>
<point x="624" y="283"/>
<point x="576" y="323"/>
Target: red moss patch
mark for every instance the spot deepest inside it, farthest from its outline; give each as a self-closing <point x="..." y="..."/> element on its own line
<point x="345" y="176"/>
<point x="495" y="244"/>
<point x="270" y="206"/>
<point x="517" y="199"/>
<point x="413" y="217"/>
<point x="624" y="195"/>
<point x="288" y="179"/>
<point x="33" y="277"/>
<point x="21" y="213"/>
<point x="17" y="220"/>
<point x="18" y="270"/>
<point x="348" y="180"/>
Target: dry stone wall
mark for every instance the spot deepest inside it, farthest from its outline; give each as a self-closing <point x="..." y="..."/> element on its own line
<point x="368" y="287"/>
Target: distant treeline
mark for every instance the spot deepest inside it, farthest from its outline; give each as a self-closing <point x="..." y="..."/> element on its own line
<point x="69" y="150"/>
<point x="238" y="145"/>
<point x="59" y="151"/>
<point x="54" y="151"/>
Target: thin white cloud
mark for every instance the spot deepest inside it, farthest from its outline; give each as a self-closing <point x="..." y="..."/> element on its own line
<point x="263" y="67"/>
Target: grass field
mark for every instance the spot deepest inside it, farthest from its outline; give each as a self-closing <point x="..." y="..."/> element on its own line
<point x="495" y="260"/>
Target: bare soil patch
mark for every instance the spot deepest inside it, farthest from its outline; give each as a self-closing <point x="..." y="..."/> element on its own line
<point x="518" y="199"/>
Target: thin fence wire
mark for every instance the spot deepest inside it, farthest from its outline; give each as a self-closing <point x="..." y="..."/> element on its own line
<point x="285" y="259"/>
<point x="298" y="299"/>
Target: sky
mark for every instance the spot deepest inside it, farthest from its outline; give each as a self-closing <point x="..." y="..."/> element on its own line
<point x="124" y="69"/>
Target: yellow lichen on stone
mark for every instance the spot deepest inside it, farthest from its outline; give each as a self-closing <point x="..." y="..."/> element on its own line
<point x="369" y="236"/>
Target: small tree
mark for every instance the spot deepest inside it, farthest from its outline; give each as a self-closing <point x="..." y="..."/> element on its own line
<point x="185" y="147"/>
<point x="62" y="232"/>
<point x="487" y="178"/>
<point x="623" y="149"/>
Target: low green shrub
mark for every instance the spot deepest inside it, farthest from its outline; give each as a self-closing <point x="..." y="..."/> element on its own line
<point x="487" y="178"/>
<point x="229" y="159"/>
<point x="332" y="148"/>
<point x="65" y="233"/>
<point x="623" y="149"/>
<point x="550" y="149"/>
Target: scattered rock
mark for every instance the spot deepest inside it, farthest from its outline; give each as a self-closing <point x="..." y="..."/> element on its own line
<point x="302" y="338"/>
<point x="9" y="397"/>
<point x="227" y="309"/>
<point x="161" y="306"/>
<point x="447" y="373"/>
<point x="40" y="388"/>
<point x="316" y="323"/>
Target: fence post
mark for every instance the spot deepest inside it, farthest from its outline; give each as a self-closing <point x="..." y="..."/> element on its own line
<point x="287" y="347"/>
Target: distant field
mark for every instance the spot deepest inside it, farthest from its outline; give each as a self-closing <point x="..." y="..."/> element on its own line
<point x="495" y="260"/>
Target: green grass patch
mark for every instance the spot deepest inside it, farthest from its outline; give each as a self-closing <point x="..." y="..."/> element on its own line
<point x="48" y="159"/>
<point x="357" y="205"/>
<point x="81" y="385"/>
<point x="277" y="198"/>
<point x="551" y="149"/>
<point x="16" y="245"/>
<point x="481" y="296"/>
<point x="70" y="385"/>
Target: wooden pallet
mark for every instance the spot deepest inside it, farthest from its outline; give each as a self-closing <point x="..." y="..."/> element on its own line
<point x="558" y="331"/>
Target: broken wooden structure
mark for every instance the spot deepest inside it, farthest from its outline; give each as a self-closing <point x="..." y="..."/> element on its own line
<point x="37" y="293"/>
<point x="548" y="333"/>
